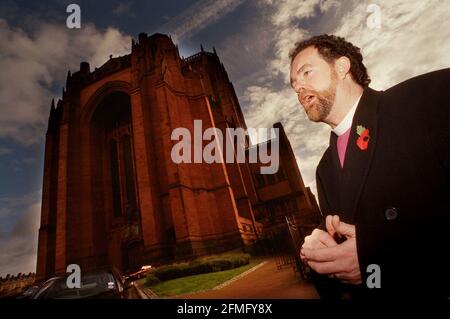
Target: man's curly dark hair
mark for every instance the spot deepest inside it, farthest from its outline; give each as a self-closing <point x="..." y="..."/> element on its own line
<point x="332" y="47"/>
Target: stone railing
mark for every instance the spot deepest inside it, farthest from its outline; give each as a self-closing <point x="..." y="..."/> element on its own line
<point x="194" y="57"/>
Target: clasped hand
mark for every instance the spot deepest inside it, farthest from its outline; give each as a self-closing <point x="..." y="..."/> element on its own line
<point x="325" y="256"/>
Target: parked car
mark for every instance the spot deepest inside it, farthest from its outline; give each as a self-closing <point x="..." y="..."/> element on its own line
<point x="29" y="292"/>
<point x="102" y="284"/>
<point x="140" y="273"/>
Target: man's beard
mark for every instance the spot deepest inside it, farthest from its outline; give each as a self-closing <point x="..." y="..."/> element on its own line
<point x="319" y="110"/>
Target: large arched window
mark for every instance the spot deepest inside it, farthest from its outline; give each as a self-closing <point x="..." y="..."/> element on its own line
<point x="113" y="120"/>
<point x="115" y="178"/>
<point x="122" y="176"/>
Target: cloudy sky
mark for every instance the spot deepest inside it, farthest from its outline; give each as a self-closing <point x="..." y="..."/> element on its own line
<point x="252" y="38"/>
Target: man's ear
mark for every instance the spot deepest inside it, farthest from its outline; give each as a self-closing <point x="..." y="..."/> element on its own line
<point x="342" y="67"/>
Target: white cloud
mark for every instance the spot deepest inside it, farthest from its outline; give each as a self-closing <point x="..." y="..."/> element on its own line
<point x="125" y="8"/>
<point x="198" y="16"/>
<point x="18" y="249"/>
<point x="287" y="37"/>
<point x="326" y="5"/>
<point x="26" y="199"/>
<point x="288" y="12"/>
<point x="32" y="63"/>
<point x="412" y="40"/>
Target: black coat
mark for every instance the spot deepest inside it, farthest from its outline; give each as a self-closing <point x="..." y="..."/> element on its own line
<point x="397" y="191"/>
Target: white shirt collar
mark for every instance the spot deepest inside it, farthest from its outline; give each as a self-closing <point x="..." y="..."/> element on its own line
<point x="346" y="123"/>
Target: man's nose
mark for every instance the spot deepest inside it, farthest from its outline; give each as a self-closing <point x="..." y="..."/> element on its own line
<point x="298" y="86"/>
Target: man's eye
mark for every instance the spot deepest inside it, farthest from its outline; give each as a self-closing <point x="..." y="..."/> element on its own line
<point x="306" y="73"/>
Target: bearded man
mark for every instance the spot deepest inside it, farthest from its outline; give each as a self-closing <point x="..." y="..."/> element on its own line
<point x="383" y="183"/>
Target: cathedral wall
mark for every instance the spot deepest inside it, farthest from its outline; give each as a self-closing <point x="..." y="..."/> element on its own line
<point x="186" y="209"/>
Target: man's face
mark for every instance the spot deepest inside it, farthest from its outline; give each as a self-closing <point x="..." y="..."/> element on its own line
<point x="314" y="81"/>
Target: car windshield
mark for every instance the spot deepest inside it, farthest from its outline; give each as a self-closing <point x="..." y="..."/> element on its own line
<point x="91" y="285"/>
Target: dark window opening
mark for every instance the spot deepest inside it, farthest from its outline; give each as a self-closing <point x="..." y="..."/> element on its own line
<point x="129" y="173"/>
<point x="115" y="181"/>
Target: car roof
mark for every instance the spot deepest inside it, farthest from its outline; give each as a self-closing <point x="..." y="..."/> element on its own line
<point x="98" y="271"/>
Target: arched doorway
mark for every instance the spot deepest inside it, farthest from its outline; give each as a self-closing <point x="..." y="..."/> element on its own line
<point x="132" y="251"/>
<point x="115" y="203"/>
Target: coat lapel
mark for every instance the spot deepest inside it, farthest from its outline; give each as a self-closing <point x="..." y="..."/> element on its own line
<point x="330" y="173"/>
<point x="357" y="161"/>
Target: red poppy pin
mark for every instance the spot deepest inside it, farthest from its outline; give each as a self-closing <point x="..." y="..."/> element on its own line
<point x="363" y="139"/>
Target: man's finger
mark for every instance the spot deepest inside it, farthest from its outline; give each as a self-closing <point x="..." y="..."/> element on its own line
<point x="327" y="268"/>
<point x="326" y="239"/>
<point x="350" y="276"/>
<point x="351" y="282"/>
<point x="329" y="225"/>
<point x="321" y="254"/>
<point x="313" y="243"/>
<point x="319" y="239"/>
<point x="342" y="228"/>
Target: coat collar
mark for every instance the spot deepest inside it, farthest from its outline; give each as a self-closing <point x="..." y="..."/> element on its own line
<point x="343" y="186"/>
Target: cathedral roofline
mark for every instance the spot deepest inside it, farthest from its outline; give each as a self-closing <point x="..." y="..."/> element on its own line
<point x="146" y="46"/>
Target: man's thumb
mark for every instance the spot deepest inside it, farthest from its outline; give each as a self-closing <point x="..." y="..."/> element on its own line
<point x="329" y="225"/>
<point x="342" y="228"/>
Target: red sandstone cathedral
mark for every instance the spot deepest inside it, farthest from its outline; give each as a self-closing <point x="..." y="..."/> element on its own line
<point x="111" y="193"/>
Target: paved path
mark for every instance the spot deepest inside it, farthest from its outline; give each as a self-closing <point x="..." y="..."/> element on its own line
<point x="265" y="282"/>
<point x="135" y="293"/>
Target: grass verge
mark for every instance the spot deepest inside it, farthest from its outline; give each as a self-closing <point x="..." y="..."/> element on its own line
<point x="196" y="283"/>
